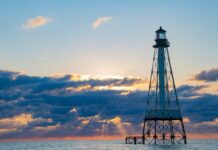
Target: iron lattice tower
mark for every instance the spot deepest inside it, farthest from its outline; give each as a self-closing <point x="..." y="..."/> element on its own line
<point x="163" y="122"/>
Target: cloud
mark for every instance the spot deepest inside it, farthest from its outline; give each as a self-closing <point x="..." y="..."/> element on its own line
<point x="186" y="120"/>
<point x="36" y="22"/>
<point x="73" y="110"/>
<point x="190" y="90"/>
<point x="101" y="20"/>
<point x="78" y="105"/>
<point x="208" y="123"/>
<point x="117" y="121"/>
<point x="46" y="128"/>
<point x="17" y="122"/>
<point x="207" y="75"/>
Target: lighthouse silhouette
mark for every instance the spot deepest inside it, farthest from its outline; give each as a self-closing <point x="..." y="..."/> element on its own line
<point x="163" y="122"/>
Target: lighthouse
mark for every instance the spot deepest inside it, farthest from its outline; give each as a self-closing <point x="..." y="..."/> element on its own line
<point x="163" y="123"/>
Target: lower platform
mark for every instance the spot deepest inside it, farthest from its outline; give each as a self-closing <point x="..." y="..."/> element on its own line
<point x="154" y="140"/>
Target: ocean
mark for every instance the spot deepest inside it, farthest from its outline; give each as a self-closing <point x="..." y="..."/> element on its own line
<point x="105" y="145"/>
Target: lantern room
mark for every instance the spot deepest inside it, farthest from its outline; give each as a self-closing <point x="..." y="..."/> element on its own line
<point x="160" y="33"/>
<point x="161" y="39"/>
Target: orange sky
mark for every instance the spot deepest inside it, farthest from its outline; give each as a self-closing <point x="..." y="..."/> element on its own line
<point x="190" y="136"/>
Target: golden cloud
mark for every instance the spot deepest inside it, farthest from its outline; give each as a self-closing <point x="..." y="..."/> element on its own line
<point x="16" y="122"/>
<point x="117" y="121"/>
<point x="85" y="122"/>
<point x="36" y="22"/>
<point x="78" y="89"/>
<point x="8" y="130"/>
<point x="20" y="120"/>
<point x="109" y="82"/>
<point x="186" y="120"/>
<point x="46" y="128"/>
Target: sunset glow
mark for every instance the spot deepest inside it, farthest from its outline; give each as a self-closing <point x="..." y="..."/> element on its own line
<point x="75" y="70"/>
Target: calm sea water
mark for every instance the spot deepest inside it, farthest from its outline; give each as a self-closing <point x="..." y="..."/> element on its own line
<point x="105" y="145"/>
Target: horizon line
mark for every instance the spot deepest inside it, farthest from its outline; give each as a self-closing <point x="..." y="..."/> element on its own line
<point x="194" y="136"/>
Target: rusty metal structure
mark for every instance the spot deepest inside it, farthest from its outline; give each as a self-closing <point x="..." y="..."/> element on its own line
<point x="163" y="122"/>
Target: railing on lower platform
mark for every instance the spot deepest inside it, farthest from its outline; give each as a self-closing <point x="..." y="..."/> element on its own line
<point x="134" y="140"/>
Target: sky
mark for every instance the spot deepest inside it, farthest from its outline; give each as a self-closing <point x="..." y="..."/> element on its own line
<point x="80" y="68"/>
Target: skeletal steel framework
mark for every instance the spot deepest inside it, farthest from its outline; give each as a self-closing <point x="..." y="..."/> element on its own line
<point x="163" y="122"/>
